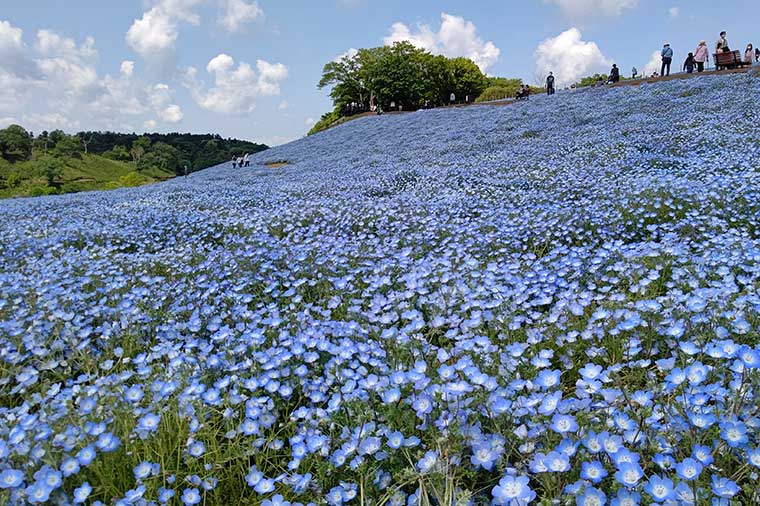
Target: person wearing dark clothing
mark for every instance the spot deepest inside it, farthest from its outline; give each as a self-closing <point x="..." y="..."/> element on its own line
<point x="757" y="54"/>
<point x="615" y="74"/>
<point x="667" y="59"/>
<point x="550" y="84"/>
<point x="689" y="64"/>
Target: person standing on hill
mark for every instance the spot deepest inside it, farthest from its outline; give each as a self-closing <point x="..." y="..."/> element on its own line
<point x="749" y="54"/>
<point x="234" y="162"/>
<point x="701" y="56"/>
<point x="634" y="73"/>
<point x="667" y="59"/>
<point x="757" y="54"/>
<point x="615" y="74"/>
<point x="689" y="64"/>
<point x="722" y="44"/>
<point x="550" y="84"/>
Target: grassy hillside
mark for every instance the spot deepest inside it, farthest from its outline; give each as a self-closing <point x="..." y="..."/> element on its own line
<point x="91" y="172"/>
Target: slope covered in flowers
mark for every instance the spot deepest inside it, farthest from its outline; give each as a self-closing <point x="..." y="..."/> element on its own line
<point x="507" y="305"/>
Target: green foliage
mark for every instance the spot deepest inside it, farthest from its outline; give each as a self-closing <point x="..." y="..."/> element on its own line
<point x="327" y="120"/>
<point x="467" y="79"/>
<point x="131" y="180"/>
<point x="118" y="153"/>
<point x="50" y="167"/>
<point x="15" y="143"/>
<point x="402" y="74"/>
<point x="498" y="93"/>
<point x="68" y="147"/>
<point x="161" y="156"/>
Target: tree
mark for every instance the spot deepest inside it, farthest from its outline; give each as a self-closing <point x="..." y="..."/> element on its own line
<point x="164" y="157"/>
<point x="15" y="143"/>
<point x="118" y="153"/>
<point x="50" y="168"/>
<point x="139" y="147"/>
<point x="467" y="78"/>
<point x="68" y="146"/>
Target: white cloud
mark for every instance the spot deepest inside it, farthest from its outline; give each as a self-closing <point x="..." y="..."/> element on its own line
<point x="283" y="105"/>
<point x="654" y="64"/>
<point x="161" y="97"/>
<point x="674" y="12"/>
<point x="350" y="53"/>
<point x="583" y="8"/>
<point x="455" y="37"/>
<point x="149" y="125"/>
<point x="68" y="68"/>
<point x="235" y="89"/>
<point x="154" y="35"/>
<point x="238" y="13"/>
<point x="569" y="57"/>
<point x="127" y="68"/>
<point x="55" y="84"/>
<point x="50" y="121"/>
<point x="7" y="121"/>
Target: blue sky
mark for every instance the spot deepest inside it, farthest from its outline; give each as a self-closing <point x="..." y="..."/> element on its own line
<point x="248" y="69"/>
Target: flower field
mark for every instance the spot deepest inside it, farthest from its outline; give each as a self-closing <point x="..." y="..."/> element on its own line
<point x="554" y="302"/>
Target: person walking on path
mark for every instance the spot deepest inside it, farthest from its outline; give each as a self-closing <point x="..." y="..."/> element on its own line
<point x="689" y="64"/>
<point x="722" y="44"/>
<point x="615" y="74"/>
<point x="667" y="59"/>
<point x="749" y="54"/>
<point x="234" y="162"/>
<point x="550" y="84"/>
<point x="701" y="56"/>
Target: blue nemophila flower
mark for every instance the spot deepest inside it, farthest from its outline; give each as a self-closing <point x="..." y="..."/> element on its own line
<point x="38" y="493"/>
<point x="427" y="462"/>
<point x="276" y="500"/>
<point x="513" y="490"/>
<point x="734" y="433"/>
<point x="82" y="492"/>
<point x="11" y="478"/>
<point x="659" y="488"/>
<point x="689" y="469"/>
<point x="723" y="487"/>
<point x="564" y="424"/>
<point x="629" y="474"/>
<point x="190" y="496"/>
<point x="626" y="498"/>
<point x="591" y="497"/>
<point x="593" y="471"/>
<point x="196" y="448"/>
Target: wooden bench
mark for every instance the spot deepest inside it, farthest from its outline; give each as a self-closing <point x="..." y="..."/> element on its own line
<point x="729" y="60"/>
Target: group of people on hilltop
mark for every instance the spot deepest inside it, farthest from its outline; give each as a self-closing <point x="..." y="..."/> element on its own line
<point x="701" y="56"/>
<point x="695" y="61"/>
<point x="241" y="161"/>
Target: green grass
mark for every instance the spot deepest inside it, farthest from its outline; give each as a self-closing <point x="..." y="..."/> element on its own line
<point x="91" y="172"/>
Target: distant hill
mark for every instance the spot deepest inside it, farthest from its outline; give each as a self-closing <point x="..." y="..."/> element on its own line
<point x="199" y="151"/>
<point x="55" y="163"/>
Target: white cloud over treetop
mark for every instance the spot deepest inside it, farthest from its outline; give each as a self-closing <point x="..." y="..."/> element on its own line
<point x="569" y="57"/>
<point x="455" y="37"/>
